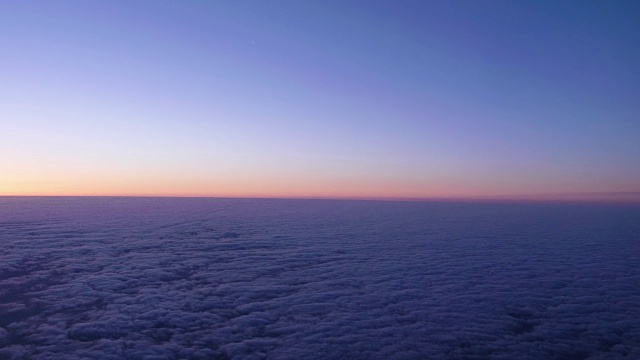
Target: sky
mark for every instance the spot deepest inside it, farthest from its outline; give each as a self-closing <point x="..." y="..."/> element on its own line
<point x="286" y="98"/>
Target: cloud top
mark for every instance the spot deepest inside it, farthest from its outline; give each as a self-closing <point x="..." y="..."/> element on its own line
<point x="250" y="279"/>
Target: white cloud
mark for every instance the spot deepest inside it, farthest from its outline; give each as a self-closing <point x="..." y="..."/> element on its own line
<point x="241" y="279"/>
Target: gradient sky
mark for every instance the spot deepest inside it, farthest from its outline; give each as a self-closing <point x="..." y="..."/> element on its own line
<point x="396" y="99"/>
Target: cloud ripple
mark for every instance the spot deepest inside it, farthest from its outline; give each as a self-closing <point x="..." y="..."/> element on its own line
<point x="112" y="278"/>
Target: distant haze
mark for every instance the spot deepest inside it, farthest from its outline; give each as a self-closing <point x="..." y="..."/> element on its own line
<point x="339" y="99"/>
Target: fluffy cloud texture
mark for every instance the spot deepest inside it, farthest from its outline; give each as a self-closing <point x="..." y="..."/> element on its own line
<point x="112" y="278"/>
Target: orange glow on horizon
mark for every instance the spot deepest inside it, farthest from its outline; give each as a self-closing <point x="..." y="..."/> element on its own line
<point x="293" y="188"/>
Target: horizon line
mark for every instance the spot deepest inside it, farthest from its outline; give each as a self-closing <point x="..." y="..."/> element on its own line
<point x="597" y="197"/>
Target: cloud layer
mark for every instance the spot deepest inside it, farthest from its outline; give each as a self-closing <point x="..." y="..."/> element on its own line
<point x="104" y="278"/>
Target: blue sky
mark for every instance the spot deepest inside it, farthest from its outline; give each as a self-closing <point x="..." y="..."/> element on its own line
<point x="320" y="99"/>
